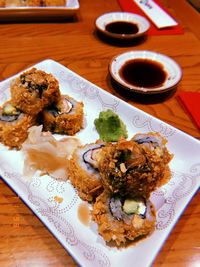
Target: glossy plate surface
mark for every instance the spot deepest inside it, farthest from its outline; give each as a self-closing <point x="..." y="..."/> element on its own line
<point x="172" y="69"/>
<point x="107" y="18"/>
<point x="83" y="242"/>
<point x="39" y="13"/>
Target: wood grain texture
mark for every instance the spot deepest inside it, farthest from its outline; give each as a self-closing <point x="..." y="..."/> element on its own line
<point x="25" y="242"/>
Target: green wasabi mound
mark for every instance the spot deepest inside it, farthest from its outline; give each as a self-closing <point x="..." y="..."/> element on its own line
<point x="110" y="127"/>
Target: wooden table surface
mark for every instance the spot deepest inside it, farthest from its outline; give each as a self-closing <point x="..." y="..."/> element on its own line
<point x="76" y="45"/>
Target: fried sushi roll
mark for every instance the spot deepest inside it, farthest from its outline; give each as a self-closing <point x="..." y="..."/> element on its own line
<point x="156" y="151"/>
<point x="122" y="219"/>
<point x="19" y="3"/>
<point x="127" y="168"/>
<point x="64" y="117"/>
<point x="13" y="3"/>
<point x="33" y="90"/>
<point x="54" y="2"/>
<point x="154" y="142"/>
<point x="14" y="125"/>
<point x="32" y="2"/>
<point x="83" y="171"/>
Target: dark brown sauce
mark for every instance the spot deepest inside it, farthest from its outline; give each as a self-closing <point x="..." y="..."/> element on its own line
<point x="84" y="213"/>
<point x="143" y="73"/>
<point x="122" y="27"/>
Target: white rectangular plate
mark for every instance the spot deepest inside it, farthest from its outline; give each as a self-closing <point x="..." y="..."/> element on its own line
<point x="83" y="242"/>
<point x="39" y="13"/>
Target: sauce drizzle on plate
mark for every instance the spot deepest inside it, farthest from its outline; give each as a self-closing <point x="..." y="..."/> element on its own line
<point x="84" y="214"/>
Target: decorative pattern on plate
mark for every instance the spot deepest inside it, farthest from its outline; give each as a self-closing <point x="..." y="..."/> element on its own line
<point x="96" y="255"/>
<point x="57" y="185"/>
<point x="90" y="92"/>
<point x="149" y="123"/>
<point x="180" y="189"/>
<point x="4" y="93"/>
<point x="61" y="224"/>
<point x="195" y="169"/>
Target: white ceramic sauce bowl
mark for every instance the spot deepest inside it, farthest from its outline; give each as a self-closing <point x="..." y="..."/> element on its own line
<point x="171" y="68"/>
<point x="105" y="19"/>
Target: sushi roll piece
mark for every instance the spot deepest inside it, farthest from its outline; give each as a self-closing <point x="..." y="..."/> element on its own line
<point x="14" y="125"/>
<point x="156" y="150"/>
<point x="126" y="168"/>
<point x="122" y="219"/>
<point x="32" y="2"/>
<point x="12" y="3"/>
<point x="33" y="90"/>
<point x="154" y="142"/>
<point x="63" y="117"/>
<point x="83" y="171"/>
<point x="54" y="2"/>
<point x="19" y="3"/>
<point x="122" y="166"/>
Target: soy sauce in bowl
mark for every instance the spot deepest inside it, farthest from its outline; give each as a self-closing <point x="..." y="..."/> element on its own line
<point x="122" y="27"/>
<point x="145" y="73"/>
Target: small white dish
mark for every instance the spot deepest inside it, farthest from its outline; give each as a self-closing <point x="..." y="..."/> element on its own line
<point x="140" y="22"/>
<point x="172" y="70"/>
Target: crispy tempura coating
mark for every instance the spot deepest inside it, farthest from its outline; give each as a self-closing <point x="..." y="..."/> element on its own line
<point x="64" y="122"/>
<point x="14" y="133"/>
<point x="33" y="90"/>
<point x="119" y="231"/>
<point x="126" y="167"/>
<point x="83" y="177"/>
<point x="54" y="2"/>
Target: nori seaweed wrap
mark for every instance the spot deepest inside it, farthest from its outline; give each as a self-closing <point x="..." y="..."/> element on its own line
<point x="33" y="90"/>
